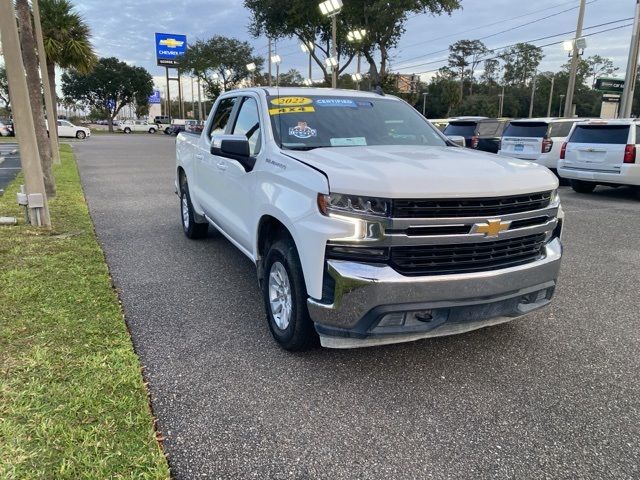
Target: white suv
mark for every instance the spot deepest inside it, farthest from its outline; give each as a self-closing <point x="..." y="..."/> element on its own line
<point x="601" y="152"/>
<point x="536" y="139"/>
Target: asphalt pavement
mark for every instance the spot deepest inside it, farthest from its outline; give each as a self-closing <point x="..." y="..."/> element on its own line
<point x="9" y="163"/>
<point x="555" y="395"/>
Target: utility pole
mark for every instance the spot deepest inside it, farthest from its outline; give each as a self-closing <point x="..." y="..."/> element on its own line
<point x="269" y="58"/>
<point x="199" y="101"/>
<point x="560" y="106"/>
<point x="37" y="206"/>
<point x="553" y="80"/>
<point x="44" y="74"/>
<point x="193" y="101"/>
<point x="501" y="104"/>
<point x="568" y="105"/>
<point x="626" y="101"/>
<point x="533" y="93"/>
<point x="424" y="104"/>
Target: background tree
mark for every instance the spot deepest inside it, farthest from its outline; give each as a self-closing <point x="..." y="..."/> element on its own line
<point x="4" y="87"/>
<point x="34" y="87"/>
<point x="109" y="87"/>
<point x="292" y="78"/>
<point x="491" y="73"/>
<point x="599" y="67"/>
<point x="521" y="63"/>
<point x="464" y="58"/>
<point x="383" y="20"/>
<point x="220" y="62"/>
<point x="66" y="40"/>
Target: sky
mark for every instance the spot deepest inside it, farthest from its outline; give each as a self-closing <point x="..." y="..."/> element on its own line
<point x="126" y="30"/>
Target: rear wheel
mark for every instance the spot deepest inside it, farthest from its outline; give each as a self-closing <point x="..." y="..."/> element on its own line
<point x="285" y="298"/>
<point x="191" y="228"/>
<point x="152" y="130"/>
<point x="80" y="135"/>
<point x="127" y="130"/>
<point x="581" y="186"/>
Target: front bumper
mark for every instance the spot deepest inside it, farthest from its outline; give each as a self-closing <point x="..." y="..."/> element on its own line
<point x="366" y="297"/>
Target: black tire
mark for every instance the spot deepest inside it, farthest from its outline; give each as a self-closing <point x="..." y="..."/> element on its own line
<point x="80" y="135"/>
<point x="167" y="131"/>
<point x="191" y="228"/>
<point x="581" y="186"/>
<point x="127" y="130"/>
<point x="152" y="130"/>
<point x="299" y="334"/>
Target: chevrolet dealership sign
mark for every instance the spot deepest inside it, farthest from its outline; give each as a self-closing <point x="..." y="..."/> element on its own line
<point x="169" y="47"/>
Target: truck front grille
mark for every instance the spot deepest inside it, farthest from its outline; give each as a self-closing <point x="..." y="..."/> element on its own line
<point x="470" y="207"/>
<point x="467" y="257"/>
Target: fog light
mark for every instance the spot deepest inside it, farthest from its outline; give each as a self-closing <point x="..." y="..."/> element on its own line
<point x="392" y="320"/>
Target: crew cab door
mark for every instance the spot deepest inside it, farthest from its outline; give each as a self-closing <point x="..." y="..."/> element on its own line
<point x="209" y="169"/>
<point x="237" y="208"/>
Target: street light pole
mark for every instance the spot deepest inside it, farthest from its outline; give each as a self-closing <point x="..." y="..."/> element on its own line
<point x="269" y="56"/>
<point x="560" y="106"/>
<point x="334" y="50"/>
<point x="38" y="208"/>
<point x="501" y="104"/>
<point x="533" y="93"/>
<point x="424" y="104"/>
<point x="568" y="105"/>
<point x="626" y="101"/>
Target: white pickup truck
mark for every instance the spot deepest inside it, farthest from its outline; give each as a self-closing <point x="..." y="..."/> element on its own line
<point x="366" y="224"/>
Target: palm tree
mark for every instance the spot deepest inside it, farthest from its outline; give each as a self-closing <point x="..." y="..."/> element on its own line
<point x="66" y="40"/>
<point x="32" y="69"/>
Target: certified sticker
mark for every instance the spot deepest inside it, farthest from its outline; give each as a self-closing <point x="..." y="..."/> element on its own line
<point x="291" y="101"/>
<point x="284" y="110"/>
<point x="336" y="102"/>
<point x="303" y="131"/>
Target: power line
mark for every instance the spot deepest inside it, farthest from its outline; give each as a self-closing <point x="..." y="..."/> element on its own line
<point x="546" y="17"/>
<point x="486" y="25"/>
<point x="541" y="46"/>
<point x="527" y="41"/>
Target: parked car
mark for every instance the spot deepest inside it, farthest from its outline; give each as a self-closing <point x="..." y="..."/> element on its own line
<point x="439" y="123"/>
<point x="130" y="126"/>
<point x="536" y="139"/>
<point x="464" y="127"/>
<point x="177" y="126"/>
<point x="68" y="129"/>
<point x="488" y="134"/>
<point x="4" y="130"/>
<point x="366" y="225"/>
<point x="193" y="126"/>
<point x="601" y="152"/>
<point x="162" y="120"/>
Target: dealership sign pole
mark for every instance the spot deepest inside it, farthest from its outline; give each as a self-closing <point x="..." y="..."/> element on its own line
<point x="169" y="48"/>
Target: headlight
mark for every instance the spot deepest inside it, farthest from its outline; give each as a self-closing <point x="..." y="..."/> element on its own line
<point x="345" y="204"/>
<point x="555" y="197"/>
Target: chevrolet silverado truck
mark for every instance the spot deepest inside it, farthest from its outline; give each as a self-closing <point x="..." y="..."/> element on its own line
<point x="366" y="224"/>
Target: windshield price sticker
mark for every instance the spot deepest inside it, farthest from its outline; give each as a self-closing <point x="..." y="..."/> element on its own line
<point x="292" y="101"/>
<point x="336" y="102"/>
<point x="284" y="110"/>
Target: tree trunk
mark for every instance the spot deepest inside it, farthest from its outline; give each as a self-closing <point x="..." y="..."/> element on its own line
<point x="110" y="123"/>
<point x="32" y="69"/>
<point x="51" y="71"/>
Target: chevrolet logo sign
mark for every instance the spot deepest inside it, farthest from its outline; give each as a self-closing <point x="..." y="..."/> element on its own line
<point x="491" y="228"/>
<point x="171" y="42"/>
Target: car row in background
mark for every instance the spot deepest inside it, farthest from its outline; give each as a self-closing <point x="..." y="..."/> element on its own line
<point x="131" y="126"/>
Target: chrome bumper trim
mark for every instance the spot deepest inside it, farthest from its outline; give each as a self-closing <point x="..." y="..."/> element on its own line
<point x="360" y="287"/>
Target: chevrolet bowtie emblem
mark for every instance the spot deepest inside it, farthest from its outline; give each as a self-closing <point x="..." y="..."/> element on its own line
<point x="171" y="42"/>
<point x="492" y="228"/>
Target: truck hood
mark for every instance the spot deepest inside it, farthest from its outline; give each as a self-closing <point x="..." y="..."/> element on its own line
<point x="425" y="172"/>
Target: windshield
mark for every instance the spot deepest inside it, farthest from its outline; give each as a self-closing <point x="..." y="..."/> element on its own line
<point x="604" y="134"/>
<point x="465" y="129"/>
<point x="304" y="123"/>
<point x="526" y="129"/>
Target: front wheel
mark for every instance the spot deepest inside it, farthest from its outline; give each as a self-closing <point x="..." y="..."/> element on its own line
<point x="127" y="130"/>
<point x="191" y="228"/>
<point x="285" y="298"/>
<point x="581" y="186"/>
<point x="80" y="135"/>
<point x="152" y="130"/>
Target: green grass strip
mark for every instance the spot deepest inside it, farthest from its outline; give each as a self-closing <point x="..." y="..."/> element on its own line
<point x="72" y="400"/>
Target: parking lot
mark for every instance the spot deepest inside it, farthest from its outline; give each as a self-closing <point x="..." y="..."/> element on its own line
<point x="555" y="395"/>
<point x="9" y="163"/>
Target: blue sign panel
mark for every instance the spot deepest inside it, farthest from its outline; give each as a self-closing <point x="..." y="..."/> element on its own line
<point x="155" y="97"/>
<point x="169" y="47"/>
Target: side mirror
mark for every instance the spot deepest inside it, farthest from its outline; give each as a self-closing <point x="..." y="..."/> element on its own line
<point x="233" y="147"/>
<point x="458" y="140"/>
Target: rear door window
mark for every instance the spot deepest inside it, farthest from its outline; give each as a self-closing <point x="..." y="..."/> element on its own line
<point x="465" y="129"/>
<point x="601" y="134"/>
<point x="526" y="129"/>
<point x="560" y="129"/>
